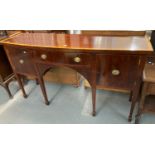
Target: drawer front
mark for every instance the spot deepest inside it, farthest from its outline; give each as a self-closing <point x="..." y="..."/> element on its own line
<point x="22" y="60"/>
<point x="75" y="59"/>
<point x="117" y="72"/>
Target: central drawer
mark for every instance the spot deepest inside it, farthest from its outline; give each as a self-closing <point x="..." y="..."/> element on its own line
<point x="68" y="58"/>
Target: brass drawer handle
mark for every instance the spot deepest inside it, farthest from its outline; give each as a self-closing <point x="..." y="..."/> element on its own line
<point x="43" y="56"/>
<point x="21" y="61"/>
<point x="115" y="72"/>
<point x="24" y="52"/>
<point x="77" y="59"/>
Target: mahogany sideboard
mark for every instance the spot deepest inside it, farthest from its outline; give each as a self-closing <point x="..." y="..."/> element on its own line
<point x="104" y="60"/>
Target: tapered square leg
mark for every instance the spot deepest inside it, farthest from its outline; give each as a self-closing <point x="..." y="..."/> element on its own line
<point x="8" y="91"/>
<point x="43" y="89"/>
<point x="94" y="100"/>
<point x="21" y="85"/>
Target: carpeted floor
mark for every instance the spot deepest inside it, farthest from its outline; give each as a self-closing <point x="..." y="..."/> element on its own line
<point x="67" y="105"/>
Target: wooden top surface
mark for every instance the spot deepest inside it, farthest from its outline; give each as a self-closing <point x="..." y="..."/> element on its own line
<point x="79" y="41"/>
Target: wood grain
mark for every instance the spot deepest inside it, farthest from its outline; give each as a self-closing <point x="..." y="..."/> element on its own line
<point x="113" y="33"/>
<point x="94" y="57"/>
<point x="78" y="41"/>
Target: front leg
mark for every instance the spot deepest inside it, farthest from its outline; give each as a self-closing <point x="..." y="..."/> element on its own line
<point x="8" y="91"/>
<point x="94" y="99"/>
<point x="135" y="93"/>
<point x="42" y="86"/>
<point x="21" y="85"/>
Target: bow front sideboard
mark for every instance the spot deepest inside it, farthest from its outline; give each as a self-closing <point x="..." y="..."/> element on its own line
<point x="103" y="60"/>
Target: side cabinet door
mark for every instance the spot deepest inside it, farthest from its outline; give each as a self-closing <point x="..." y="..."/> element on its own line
<point x="21" y="60"/>
<point x="117" y="72"/>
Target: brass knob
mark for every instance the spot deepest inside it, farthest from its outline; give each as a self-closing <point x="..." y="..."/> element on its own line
<point x="24" y="52"/>
<point x="43" y="56"/>
<point x="77" y="59"/>
<point x="21" y="61"/>
<point x="115" y="72"/>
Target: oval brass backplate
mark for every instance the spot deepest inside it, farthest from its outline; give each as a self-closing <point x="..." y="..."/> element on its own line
<point x="21" y="61"/>
<point x="43" y="56"/>
<point x="115" y="72"/>
<point x="77" y="59"/>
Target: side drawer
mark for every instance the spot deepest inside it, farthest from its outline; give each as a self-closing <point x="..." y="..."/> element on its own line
<point x="21" y="60"/>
